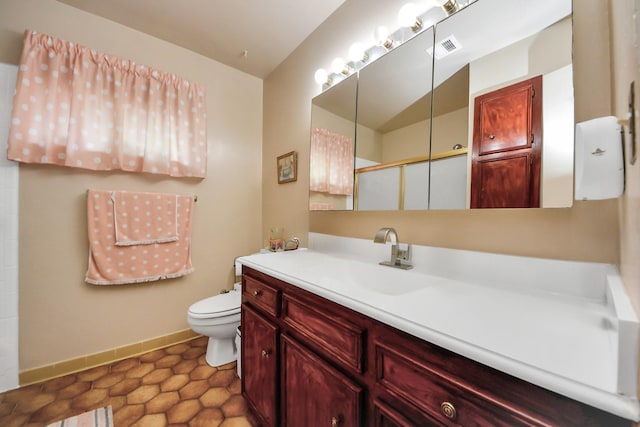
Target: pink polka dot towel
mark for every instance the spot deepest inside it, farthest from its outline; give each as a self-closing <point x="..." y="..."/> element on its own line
<point x="138" y="237"/>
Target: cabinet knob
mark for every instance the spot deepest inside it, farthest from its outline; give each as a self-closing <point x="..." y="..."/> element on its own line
<point x="448" y="410"/>
<point x="266" y="353"/>
<point x="335" y="421"/>
<point x="256" y="293"/>
<point x="492" y="136"/>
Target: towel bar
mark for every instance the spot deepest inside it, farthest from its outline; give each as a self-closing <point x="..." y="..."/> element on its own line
<point x="195" y="197"/>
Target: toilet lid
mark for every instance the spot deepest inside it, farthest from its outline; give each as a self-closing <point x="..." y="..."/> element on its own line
<point x="217" y="306"/>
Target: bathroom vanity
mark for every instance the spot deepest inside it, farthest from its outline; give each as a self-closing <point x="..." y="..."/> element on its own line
<point x="327" y="342"/>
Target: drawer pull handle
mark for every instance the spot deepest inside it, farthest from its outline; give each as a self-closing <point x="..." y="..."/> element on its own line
<point x="266" y="354"/>
<point x="256" y="293"/>
<point x="448" y="410"/>
<point x="335" y="421"/>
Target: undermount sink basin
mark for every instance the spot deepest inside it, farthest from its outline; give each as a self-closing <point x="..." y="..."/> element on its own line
<point x="387" y="280"/>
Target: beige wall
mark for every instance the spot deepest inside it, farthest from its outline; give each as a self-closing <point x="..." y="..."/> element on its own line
<point x="587" y="231"/>
<point x="625" y="69"/>
<point x="406" y="142"/>
<point x="61" y="317"/>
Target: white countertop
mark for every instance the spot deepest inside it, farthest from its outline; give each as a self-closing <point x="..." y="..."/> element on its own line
<point x="563" y="342"/>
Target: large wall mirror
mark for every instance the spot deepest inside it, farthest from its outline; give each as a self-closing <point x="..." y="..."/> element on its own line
<point x="495" y="131"/>
<point x="394" y="111"/>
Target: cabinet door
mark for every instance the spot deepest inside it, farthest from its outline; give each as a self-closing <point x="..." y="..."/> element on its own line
<point x="260" y="365"/>
<point x="314" y="393"/>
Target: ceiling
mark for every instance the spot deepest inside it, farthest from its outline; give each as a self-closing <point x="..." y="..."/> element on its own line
<point x="223" y="30"/>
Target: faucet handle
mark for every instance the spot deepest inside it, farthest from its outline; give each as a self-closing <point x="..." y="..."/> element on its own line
<point x="403" y="252"/>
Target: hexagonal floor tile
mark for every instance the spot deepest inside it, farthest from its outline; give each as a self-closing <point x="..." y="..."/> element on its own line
<point x="168" y="387"/>
<point x="215" y="397"/>
<point x="91" y="399"/>
<point x="174" y="383"/>
<point x="143" y="394"/>
<point x="194" y="389"/>
<point x="183" y="411"/>
<point x="162" y="402"/>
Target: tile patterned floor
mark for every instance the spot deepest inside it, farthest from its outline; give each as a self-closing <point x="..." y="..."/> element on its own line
<point x="169" y="387"/>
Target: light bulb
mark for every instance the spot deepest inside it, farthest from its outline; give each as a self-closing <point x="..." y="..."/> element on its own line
<point x="357" y="52"/>
<point x="407" y="16"/>
<point x="321" y="76"/>
<point x="338" y="66"/>
<point x="381" y="36"/>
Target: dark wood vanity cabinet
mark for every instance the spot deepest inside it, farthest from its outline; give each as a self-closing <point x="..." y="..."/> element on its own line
<point x="307" y="361"/>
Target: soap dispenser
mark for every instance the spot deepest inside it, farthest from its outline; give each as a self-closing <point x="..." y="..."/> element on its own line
<point x="599" y="159"/>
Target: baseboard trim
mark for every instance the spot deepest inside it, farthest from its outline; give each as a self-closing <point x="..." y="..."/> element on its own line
<point x="44" y="373"/>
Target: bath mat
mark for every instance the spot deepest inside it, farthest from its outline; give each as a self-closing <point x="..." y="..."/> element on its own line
<point x="101" y="417"/>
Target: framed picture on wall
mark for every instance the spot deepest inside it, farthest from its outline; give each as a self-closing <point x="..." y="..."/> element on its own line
<point x="287" y="167"/>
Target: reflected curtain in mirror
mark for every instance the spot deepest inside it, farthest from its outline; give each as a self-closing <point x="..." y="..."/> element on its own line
<point x="80" y="108"/>
<point x="331" y="164"/>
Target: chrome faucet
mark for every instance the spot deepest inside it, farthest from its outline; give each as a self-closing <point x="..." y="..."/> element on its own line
<point x="400" y="253"/>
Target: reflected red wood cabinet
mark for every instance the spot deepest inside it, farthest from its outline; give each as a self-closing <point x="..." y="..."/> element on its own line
<point x="308" y="362"/>
<point x="507" y="147"/>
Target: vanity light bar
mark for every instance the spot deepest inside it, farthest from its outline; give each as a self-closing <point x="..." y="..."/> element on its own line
<point x="408" y="17"/>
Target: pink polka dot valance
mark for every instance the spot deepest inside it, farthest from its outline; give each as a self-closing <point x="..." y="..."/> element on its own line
<point x="80" y="108"/>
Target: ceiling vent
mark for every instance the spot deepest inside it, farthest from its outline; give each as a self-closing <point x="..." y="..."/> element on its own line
<point x="445" y="47"/>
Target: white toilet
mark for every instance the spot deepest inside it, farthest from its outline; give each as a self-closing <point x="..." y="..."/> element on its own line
<point x="218" y="317"/>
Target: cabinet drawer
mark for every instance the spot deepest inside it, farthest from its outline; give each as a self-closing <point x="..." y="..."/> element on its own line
<point x="443" y="397"/>
<point x="385" y="415"/>
<point x="261" y="295"/>
<point x="329" y="334"/>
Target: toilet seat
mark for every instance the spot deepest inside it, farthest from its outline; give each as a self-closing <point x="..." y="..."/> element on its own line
<point x="217" y="306"/>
